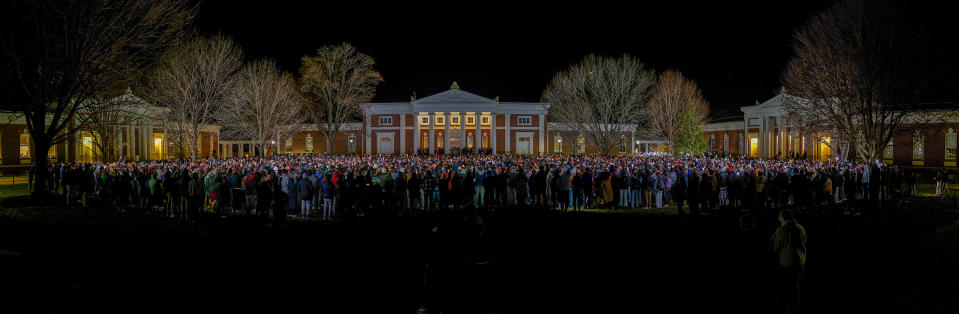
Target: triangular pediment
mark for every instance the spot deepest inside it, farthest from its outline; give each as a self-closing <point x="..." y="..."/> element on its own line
<point x="454" y="96"/>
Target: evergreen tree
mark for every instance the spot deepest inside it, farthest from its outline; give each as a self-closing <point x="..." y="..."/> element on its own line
<point x="689" y="136"/>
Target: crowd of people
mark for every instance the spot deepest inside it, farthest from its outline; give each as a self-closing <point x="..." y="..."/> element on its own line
<point x="318" y="185"/>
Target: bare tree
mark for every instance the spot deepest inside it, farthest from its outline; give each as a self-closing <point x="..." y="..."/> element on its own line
<point x="108" y="120"/>
<point x="856" y="76"/>
<point x="336" y="82"/>
<point x="601" y="98"/>
<point x="65" y="57"/>
<point x="193" y="83"/>
<point x="669" y="102"/>
<point x="264" y="106"/>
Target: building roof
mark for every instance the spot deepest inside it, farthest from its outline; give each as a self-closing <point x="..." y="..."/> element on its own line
<point x="455" y="96"/>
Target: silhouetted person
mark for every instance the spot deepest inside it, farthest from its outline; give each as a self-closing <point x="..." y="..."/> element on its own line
<point x="789" y="243"/>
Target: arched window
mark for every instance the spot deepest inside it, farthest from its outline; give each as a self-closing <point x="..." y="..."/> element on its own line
<point x="950" y="148"/>
<point x="917" y="145"/>
<point x="309" y="143"/>
<point x="351" y="145"/>
<point x="726" y="143"/>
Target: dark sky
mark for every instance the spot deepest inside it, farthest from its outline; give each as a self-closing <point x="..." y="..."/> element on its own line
<point x="734" y="50"/>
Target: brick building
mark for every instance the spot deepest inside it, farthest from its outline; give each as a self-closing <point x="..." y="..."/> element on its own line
<point x="764" y="130"/>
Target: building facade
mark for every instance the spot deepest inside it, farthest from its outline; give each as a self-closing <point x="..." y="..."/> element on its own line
<point x="765" y="130"/>
<point x="137" y="137"/>
<point x="445" y="123"/>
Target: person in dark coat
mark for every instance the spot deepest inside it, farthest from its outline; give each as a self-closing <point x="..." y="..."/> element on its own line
<point x="540" y="182"/>
<point x="305" y="192"/>
<point x="279" y="202"/>
<point x="264" y="194"/>
<point x="679" y="192"/>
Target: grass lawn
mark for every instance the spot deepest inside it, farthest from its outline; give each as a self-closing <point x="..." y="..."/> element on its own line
<point x="13" y="190"/>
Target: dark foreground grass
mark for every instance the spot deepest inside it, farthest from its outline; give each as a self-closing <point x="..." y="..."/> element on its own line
<point x="12" y="190"/>
<point x="900" y="258"/>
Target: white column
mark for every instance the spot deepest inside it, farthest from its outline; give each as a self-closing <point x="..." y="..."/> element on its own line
<point x="478" y="136"/>
<point x="632" y="142"/>
<point x="492" y="133"/>
<point x="402" y="133"/>
<point x="432" y="132"/>
<point x="462" y="130"/>
<point x="416" y="137"/>
<point x="446" y="132"/>
<point x="761" y="135"/>
<point x="542" y="134"/>
<point x="147" y="137"/>
<point x="129" y="142"/>
<point x="506" y="135"/>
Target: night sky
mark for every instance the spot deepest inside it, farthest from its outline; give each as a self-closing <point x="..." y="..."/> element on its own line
<point x="735" y="51"/>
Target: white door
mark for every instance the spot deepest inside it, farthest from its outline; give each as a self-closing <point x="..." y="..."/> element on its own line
<point x="384" y="143"/>
<point x="523" y="144"/>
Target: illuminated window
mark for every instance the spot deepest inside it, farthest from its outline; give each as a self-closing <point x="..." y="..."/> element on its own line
<point x="753" y="146"/>
<point x="951" y="146"/>
<point x="425" y="141"/>
<point x="440" y="120"/>
<point x="581" y="145"/>
<point x="484" y="120"/>
<point x="484" y="141"/>
<point x="622" y="144"/>
<point x="557" y="144"/>
<point x="288" y="145"/>
<point x="86" y="149"/>
<point x="917" y="145"/>
<point x="309" y="143"/>
<point x="351" y="144"/>
<point x="524" y="120"/>
<point x="824" y="152"/>
<point x="470" y="120"/>
<point x="469" y="141"/>
<point x="888" y="152"/>
<point x="455" y="120"/>
<point x="386" y="120"/>
<point x="157" y="146"/>
<point x="25" y="144"/>
<point x="424" y="120"/>
<point x="439" y="139"/>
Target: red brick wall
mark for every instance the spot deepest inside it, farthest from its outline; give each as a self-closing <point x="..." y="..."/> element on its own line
<point x="733" y="140"/>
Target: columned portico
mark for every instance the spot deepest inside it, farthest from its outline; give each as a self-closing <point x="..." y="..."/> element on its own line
<point x="451" y="116"/>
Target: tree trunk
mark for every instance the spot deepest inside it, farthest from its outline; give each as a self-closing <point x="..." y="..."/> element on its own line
<point x="330" y="137"/>
<point x="40" y="163"/>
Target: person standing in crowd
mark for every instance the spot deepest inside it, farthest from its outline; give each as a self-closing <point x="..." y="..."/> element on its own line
<point x="679" y="191"/>
<point x="429" y="184"/>
<point x="194" y="197"/>
<point x="540" y="184"/>
<point x="788" y="243"/>
<point x="304" y="191"/>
